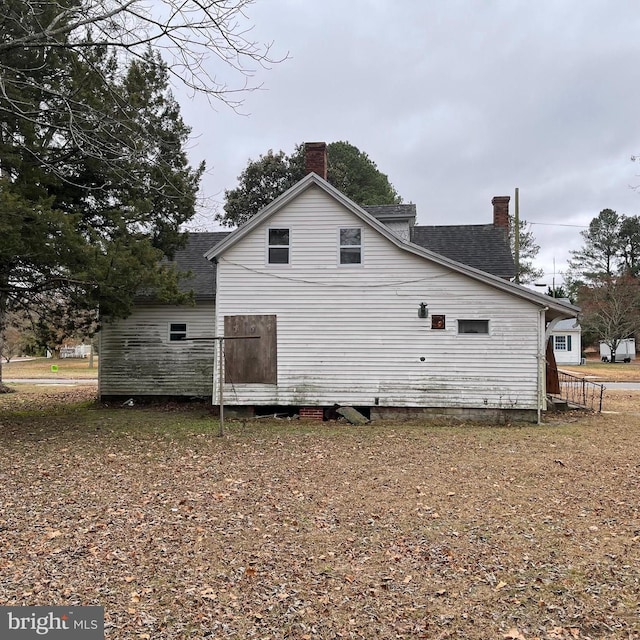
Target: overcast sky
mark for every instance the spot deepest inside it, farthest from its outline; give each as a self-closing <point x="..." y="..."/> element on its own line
<point x="456" y="101"/>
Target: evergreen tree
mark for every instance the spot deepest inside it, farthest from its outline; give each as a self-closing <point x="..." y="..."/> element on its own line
<point x="600" y="256"/>
<point x="630" y="245"/>
<point x="353" y="173"/>
<point x="262" y="181"/>
<point x="528" y="250"/>
<point x="558" y="292"/>
<point x="87" y="212"/>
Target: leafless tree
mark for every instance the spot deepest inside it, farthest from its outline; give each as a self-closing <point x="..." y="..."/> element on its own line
<point x="11" y="343"/>
<point x="191" y="34"/>
<point x="611" y="310"/>
<point x="49" y="47"/>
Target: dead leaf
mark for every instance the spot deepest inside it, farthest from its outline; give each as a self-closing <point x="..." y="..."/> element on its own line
<point x="514" y="634"/>
<point x="53" y="534"/>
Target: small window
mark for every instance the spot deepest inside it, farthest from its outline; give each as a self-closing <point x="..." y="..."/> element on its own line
<point x="278" y="246"/>
<point x="562" y="343"/>
<point x="473" y="326"/>
<point x="177" y="331"/>
<point x="351" y="245"/>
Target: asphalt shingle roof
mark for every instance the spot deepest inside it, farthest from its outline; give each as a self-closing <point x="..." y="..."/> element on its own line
<point x="203" y="272"/>
<point x="481" y="246"/>
<point x="382" y="210"/>
<point x="567" y="325"/>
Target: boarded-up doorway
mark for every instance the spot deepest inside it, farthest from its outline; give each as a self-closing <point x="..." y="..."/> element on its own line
<point x="251" y="360"/>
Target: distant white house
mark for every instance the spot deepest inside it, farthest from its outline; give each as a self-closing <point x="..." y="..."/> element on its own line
<point x="567" y="342"/>
<point x="77" y="351"/>
<point x="625" y="352"/>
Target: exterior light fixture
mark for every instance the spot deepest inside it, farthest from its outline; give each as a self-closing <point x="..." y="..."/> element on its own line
<point x="422" y="310"/>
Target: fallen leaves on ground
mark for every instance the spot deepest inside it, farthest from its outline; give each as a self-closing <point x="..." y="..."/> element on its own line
<point x="282" y="530"/>
<point x="45" y="397"/>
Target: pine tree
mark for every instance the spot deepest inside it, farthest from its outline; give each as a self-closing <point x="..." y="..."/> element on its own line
<point x="87" y="213"/>
<point x="528" y="250"/>
<point x="600" y="256"/>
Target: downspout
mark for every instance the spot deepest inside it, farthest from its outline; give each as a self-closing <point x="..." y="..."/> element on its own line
<point x="541" y="362"/>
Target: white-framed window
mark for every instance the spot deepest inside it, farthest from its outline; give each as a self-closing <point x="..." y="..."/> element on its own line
<point x="177" y="331"/>
<point x="562" y="343"/>
<point x="350" y="245"/>
<point x="278" y="245"/>
<point x="473" y="326"/>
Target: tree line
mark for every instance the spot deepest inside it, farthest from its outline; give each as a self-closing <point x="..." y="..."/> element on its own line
<point x="604" y="279"/>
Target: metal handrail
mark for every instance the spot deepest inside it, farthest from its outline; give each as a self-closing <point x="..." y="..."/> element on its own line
<point x="580" y="391"/>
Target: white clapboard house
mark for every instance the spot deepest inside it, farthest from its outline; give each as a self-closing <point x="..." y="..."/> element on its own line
<point x="353" y="306"/>
<point x="566" y="339"/>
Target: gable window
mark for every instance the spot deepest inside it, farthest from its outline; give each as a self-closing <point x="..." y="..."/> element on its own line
<point x="562" y="343"/>
<point x="351" y="245"/>
<point x="473" y="326"/>
<point x="177" y="331"/>
<point x="278" y="249"/>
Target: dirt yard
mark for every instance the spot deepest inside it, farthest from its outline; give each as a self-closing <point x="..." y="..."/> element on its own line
<point x="294" y="530"/>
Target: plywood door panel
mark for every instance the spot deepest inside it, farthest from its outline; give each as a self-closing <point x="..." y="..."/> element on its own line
<point x="254" y="359"/>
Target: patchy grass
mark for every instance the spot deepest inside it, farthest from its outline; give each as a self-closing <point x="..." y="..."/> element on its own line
<point x="74" y="368"/>
<point x="606" y="372"/>
<point x="68" y="368"/>
<point x="305" y="530"/>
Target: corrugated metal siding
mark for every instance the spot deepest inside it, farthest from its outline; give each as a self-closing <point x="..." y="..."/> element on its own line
<point x="137" y="358"/>
<point x="352" y="334"/>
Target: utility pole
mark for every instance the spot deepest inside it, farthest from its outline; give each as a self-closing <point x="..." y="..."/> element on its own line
<point x="516" y="235"/>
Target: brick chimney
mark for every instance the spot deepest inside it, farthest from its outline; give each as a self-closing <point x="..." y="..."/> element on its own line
<point x="315" y="158"/>
<point x="501" y="212"/>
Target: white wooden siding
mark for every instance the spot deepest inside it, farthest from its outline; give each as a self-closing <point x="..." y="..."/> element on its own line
<point x="352" y="334"/>
<point x="137" y="358"/>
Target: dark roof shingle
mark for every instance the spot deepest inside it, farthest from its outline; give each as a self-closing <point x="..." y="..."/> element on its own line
<point x="482" y="246"/>
<point x="190" y="258"/>
<point x="203" y="272"/>
<point x="391" y="210"/>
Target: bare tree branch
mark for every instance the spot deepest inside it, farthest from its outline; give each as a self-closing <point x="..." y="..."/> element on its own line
<point x="190" y="34"/>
